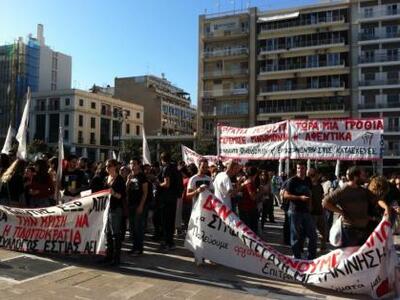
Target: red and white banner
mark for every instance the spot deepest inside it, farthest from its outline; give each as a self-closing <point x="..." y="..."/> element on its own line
<point x="216" y="233"/>
<point x="326" y="139"/>
<point x="347" y="139"/>
<point x="75" y="227"/>
<point x="261" y="142"/>
<point x="189" y="156"/>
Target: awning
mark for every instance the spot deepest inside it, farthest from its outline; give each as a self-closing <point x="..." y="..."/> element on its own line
<point x="279" y="17"/>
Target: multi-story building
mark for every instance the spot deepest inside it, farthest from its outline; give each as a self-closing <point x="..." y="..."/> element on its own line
<point x="32" y="64"/>
<point x="259" y="67"/>
<point x="168" y="108"/>
<point x="94" y="123"/>
<point x="376" y="78"/>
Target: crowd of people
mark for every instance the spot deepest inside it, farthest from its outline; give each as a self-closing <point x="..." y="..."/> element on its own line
<point x="161" y="196"/>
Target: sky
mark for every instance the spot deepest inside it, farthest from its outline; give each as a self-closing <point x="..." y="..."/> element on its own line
<point x="120" y="38"/>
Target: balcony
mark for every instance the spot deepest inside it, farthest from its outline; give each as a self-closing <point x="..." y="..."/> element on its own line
<point x="378" y="36"/>
<point x="378" y="11"/>
<point x="392" y="128"/>
<point x="299" y="66"/>
<point x="93" y="141"/>
<point x="301" y="87"/>
<point x="80" y="140"/>
<point x="302" y="108"/>
<point x="379" y="57"/>
<point x="226" y="52"/>
<point x="226" y="73"/>
<point x="302" y="44"/>
<point x="375" y="82"/>
<point x="379" y="105"/>
<point x="225" y="92"/>
<point x="226" y="34"/>
<point x="277" y="25"/>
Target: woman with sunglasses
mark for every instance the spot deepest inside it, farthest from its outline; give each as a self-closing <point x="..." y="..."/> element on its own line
<point x="116" y="184"/>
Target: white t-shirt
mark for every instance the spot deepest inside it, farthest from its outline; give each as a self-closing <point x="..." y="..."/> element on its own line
<point x="222" y="186"/>
<point x="196" y="181"/>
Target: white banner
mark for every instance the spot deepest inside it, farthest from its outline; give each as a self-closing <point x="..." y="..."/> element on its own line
<point x="260" y="142"/>
<point x="217" y="234"/>
<point x="189" y="156"/>
<point x="347" y="139"/>
<point x="344" y="139"/>
<point x="76" y="227"/>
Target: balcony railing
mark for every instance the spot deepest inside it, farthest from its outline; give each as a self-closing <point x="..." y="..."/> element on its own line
<point x="221" y="112"/>
<point x="392" y="128"/>
<point x="377" y="36"/>
<point x="226" y="52"/>
<point x="374" y="82"/>
<point x="226" y="72"/>
<point x="295" y="66"/>
<point x="301" y="108"/>
<point x="225" y="92"/>
<point x="379" y="57"/>
<point x="80" y="140"/>
<point x="226" y="33"/>
<point x="294" y="87"/>
<point x="300" y="22"/>
<point x="303" y="44"/>
<point x="378" y="11"/>
<point x="379" y="105"/>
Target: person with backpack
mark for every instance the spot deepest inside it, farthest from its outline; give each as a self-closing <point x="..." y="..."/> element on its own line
<point x="170" y="188"/>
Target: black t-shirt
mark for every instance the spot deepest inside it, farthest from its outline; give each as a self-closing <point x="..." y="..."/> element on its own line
<point x="135" y="189"/>
<point x="75" y="180"/>
<point x="299" y="187"/>
<point x="167" y="171"/>
<point x="317" y="196"/>
<point x="118" y="185"/>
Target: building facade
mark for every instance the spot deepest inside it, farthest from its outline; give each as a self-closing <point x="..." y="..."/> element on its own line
<point x="94" y="124"/>
<point x="333" y="59"/>
<point x="168" y="108"/>
<point x="28" y="64"/>
<point x="377" y="74"/>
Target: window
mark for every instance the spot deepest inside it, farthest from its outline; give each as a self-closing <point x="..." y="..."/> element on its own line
<point x="80" y="137"/>
<point x="92" y="122"/>
<point x="80" y="121"/>
<point x="391" y="31"/>
<point x="333" y="59"/>
<point x="137" y="130"/>
<point x="368" y="12"/>
<point x="66" y="135"/>
<point x="92" y="138"/>
<point x="392" y="9"/>
<point x="128" y="129"/>
<point x="67" y="101"/>
<point x="138" y="115"/>
<point x="66" y="120"/>
<point x="93" y="105"/>
<point x="80" y="102"/>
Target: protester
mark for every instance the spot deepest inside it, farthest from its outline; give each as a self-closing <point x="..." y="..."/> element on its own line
<point x="98" y="181"/>
<point x="83" y="165"/>
<point x="12" y="185"/>
<point x="117" y="209"/>
<point x="169" y="192"/>
<point x="73" y="180"/>
<point x="352" y="202"/>
<point x="298" y="192"/>
<point x="41" y="189"/>
<point x="223" y="187"/>
<point x="276" y="185"/>
<point x="200" y="181"/>
<point x="317" y="211"/>
<point x="212" y="167"/>
<point x="266" y="197"/>
<point x="138" y="200"/>
<point x="248" y="211"/>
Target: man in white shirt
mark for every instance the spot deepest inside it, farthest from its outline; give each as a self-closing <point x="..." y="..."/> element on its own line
<point x="223" y="188"/>
<point x="199" y="182"/>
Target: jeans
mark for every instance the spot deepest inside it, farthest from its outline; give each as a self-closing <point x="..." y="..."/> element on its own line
<point x="301" y="226"/>
<point x="186" y="213"/>
<point x="250" y="218"/>
<point x="168" y="212"/>
<point x="136" y="228"/>
<point x="320" y="223"/>
<point x="352" y="236"/>
<point x="114" y="240"/>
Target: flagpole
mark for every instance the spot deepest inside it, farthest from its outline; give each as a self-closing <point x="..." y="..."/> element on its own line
<point x="218" y="142"/>
<point x="21" y="136"/>
<point x="287" y="162"/>
<point x="60" y="163"/>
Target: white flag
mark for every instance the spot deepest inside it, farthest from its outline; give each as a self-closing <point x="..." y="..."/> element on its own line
<point x="60" y="153"/>
<point x="23" y="129"/>
<point x="114" y="155"/>
<point x="337" y="169"/>
<point x="7" y="148"/>
<point x="280" y="167"/>
<point x="146" y="151"/>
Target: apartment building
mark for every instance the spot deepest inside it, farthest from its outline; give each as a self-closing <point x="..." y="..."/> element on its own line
<point x="94" y="123"/>
<point x="30" y="63"/>
<point x="377" y="74"/>
<point x="259" y="67"/>
<point x="168" y="107"/>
